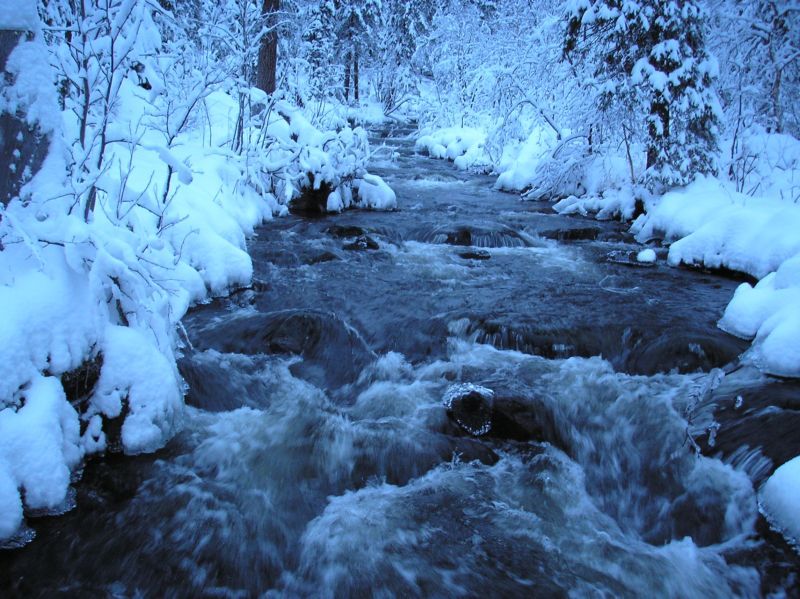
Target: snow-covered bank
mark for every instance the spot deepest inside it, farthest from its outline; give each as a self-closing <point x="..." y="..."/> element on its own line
<point x="106" y="283"/>
<point x="712" y="225"/>
<point x="542" y="166"/>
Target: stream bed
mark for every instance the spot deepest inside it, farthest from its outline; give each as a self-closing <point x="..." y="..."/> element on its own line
<point x="471" y="395"/>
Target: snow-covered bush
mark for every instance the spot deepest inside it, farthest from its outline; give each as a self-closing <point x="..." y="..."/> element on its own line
<point x="161" y="163"/>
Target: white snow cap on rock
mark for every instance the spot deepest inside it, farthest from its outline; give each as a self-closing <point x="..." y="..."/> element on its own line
<point x="374" y="193"/>
<point x="779" y="500"/>
<point x="134" y="371"/>
<point x="647" y="256"/>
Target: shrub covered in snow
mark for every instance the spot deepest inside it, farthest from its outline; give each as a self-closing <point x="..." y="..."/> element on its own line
<point x="157" y="173"/>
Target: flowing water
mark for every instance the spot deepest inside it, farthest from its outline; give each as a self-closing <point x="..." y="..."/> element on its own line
<point x="610" y="448"/>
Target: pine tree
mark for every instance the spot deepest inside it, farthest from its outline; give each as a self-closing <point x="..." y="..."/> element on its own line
<point x="653" y="53"/>
<point x="319" y="47"/>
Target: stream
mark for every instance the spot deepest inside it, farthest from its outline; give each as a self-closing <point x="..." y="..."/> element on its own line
<point x="469" y="396"/>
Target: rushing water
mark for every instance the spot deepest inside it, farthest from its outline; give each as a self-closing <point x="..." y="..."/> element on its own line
<point x="620" y="450"/>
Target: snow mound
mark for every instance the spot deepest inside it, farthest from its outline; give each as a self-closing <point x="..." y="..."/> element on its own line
<point x="648" y="256"/>
<point x="717" y="227"/>
<point x="374" y="193"/>
<point x="138" y="379"/>
<point x="39" y="445"/>
<point x="779" y="500"/>
<point x="770" y="313"/>
<point x="520" y="161"/>
<point x="464" y="146"/>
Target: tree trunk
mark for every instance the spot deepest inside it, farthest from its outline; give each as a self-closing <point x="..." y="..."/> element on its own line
<point x="777" y="108"/>
<point x="355" y="75"/>
<point x="23" y="147"/>
<point x="659" y="112"/>
<point x="268" y="52"/>
<point x="347" y="78"/>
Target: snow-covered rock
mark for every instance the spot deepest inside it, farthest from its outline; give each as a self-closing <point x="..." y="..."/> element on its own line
<point x="374" y="193"/>
<point x="779" y="500"/>
<point x="648" y="256"/>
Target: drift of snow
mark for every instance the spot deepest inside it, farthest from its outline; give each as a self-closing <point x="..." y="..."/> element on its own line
<point x="779" y="500"/>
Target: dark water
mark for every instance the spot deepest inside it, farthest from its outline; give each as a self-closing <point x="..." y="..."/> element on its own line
<point x="621" y="445"/>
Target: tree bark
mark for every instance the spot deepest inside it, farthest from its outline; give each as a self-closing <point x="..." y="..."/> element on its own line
<point x="355" y="75"/>
<point x="23" y="147"/>
<point x="268" y="51"/>
<point x="777" y="107"/>
<point x="347" y="78"/>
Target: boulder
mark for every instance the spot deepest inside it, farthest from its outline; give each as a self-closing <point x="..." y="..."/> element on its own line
<point x="475" y="255"/>
<point x="471" y="407"/>
<point x="333" y="352"/>
<point x="361" y="243"/>
<point x="342" y="231"/>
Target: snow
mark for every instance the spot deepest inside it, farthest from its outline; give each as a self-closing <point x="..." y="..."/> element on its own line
<point x="19" y="15"/>
<point x="779" y="500"/>
<point x="648" y="256"/>
<point x="715" y="226"/>
<point x="39" y="444"/>
<point x="31" y="93"/>
<point x="374" y="193"/>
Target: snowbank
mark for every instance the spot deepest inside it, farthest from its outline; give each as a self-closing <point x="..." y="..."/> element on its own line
<point x="779" y="500"/>
<point x="715" y="226"/>
<point x="462" y="145"/>
<point x="542" y="166"/>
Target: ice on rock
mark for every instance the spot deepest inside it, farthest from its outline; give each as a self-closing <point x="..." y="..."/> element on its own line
<point x="471" y="406"/>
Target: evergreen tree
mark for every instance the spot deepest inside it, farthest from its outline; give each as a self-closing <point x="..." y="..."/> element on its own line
<point x="653" y="53"/>
<point x="319" y="47"/>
